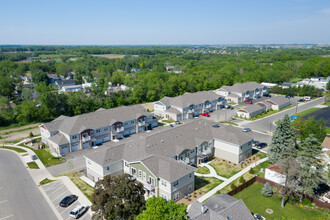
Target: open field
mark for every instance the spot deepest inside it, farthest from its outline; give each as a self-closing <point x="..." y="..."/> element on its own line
<point x="11" y="134"/>
<point x="112" y="56"/>
<point x="257" y="203"/>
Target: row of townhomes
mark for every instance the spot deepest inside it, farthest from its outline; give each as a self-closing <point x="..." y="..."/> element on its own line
<point x="161" y="160"/>
<point x="68" y="134"/>
<point x="241" y="92"/>
<point x="188" y="105"/>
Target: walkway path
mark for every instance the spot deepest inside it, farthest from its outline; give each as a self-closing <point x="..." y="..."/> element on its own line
<point x="42" y="173"/>
<point x="228" y="181"/>
<point x="212" y="173"/>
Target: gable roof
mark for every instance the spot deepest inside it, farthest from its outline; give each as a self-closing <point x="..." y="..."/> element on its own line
<point x="278" y="100"/>
<point x="59" y="139"/>
<point x="220" y="207"/>
<point x="242" y="87"/>
<point x="326" y="142"/>
<point x="188" y="98"/>
<point x="252" y="108"/>
<point x="231" y="134"/>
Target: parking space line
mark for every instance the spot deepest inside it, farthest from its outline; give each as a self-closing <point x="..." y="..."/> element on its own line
<point x="49" y="185"/>
<point x="6" y="217"/>
<point x="68" y="207"/>
<point x="59" y="196"/>
<point x="52" y="186"/>
<point x="55" y="190"/>
<point x="3" y="201"/>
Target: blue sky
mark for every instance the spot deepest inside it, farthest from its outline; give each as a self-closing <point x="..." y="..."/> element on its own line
<point x="133" y="22"/>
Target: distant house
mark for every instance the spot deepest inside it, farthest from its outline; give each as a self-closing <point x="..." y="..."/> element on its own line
<point x="278" y="102"/>
<point x="135" y="70"/>
<point x="65" y="82"/>
<point x="250" y="111"/>
<point x="169" y="68"/>
<point x="27" y="78"/>
<point x="53" y="78"/>
<point x="269" y="85"/>
<point x="287" y="85"/>
<point x="220" y="207"/>
<point x="73" y="88"/>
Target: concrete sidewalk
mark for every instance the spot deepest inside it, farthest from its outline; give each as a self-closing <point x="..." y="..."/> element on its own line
<point x="230" y="180"/>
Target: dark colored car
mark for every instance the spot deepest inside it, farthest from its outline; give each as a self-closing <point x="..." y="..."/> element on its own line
<point x="301" y="100"/>
<point x="289" y="96"/>
<point x="68" y="200"/>
<point x="261" y="145"/>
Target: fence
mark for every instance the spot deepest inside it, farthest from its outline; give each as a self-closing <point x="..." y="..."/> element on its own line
<point x="273" y="185"/>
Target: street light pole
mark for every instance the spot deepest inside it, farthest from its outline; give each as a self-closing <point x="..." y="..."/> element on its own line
<point x="297" y="104"/>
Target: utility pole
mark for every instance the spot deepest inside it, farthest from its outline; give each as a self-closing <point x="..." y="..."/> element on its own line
<point x="297" y="104"/>
<point x="325" y="93"/>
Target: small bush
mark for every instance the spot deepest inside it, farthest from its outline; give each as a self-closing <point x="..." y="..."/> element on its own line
<point x="267" y="190"/>
<point x="189" y="199"/>
<point x="241" y="165"/>
<point x="31" y="134"/>
<point x="251" y="171"/>
<point x="306" y="201"/>
<point x="241" y="179"/>
<point x="233" y="186"/>
<point x="254" y="158"/>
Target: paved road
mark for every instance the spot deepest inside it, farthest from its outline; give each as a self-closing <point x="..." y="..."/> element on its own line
<point x="20" y="198"/>
<point x="266" y="124"/>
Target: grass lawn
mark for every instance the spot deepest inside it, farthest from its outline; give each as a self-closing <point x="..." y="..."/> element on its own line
<point x="47" y="158"/>
<point x="45" y="181"/>
<point x="307" y="111"/>
<point x="33" y="165"/>
<point x="203" y="170"/>
<point x="328" y="130"/>
<point x="228" y="122"/>
<point x="257" y="203"/>
<point x="205" y="184"/>
<point x="263" y="166"/>
<point x="18" y="150"/>
<point x="83" y="186"/>
<point x="327" y="103"/>
<point x="259" y="154"/>
<point x="167" y="121"/>
<point x="222" y="169"/>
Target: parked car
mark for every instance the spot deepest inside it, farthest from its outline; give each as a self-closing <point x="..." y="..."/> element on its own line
<point x="261" y="145"/>
<point x="177" y="123"/>
<point x="301" y="100"/>
<point x="78" y="211"/>
<point x="267" y="95"/>
<point x="258" y="217"/>
<point x="289" y="96"/>
<point x="254" y="143"/>
<point x="206" y="114"/>
<point x="307" y="98"/>
<point x="246" y="129"/>
<point x="68" y="200"/>
<point x="248" y="101"/>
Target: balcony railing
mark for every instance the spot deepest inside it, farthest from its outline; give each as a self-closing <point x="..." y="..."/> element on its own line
<point x="208" y="106"/>
<point x="121" y="129"/>
<point x="143" y="123"/>
<point x="87" y="138"/>
<point x="147" y="185"/>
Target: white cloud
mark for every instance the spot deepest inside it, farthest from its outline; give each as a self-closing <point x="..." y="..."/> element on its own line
<point x="325" y="11"/>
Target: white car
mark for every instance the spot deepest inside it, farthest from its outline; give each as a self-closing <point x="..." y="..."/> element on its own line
<point x="78" y="211"/>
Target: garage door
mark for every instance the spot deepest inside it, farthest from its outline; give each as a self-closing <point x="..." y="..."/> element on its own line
<point x="98" y="140"/>
<point x="132" y="131"/>
<point x="64" y="150"/>
<point x="75" y="147"/>
<point x="126" y="132"/>
<point x="119" y="136"/>
<point x="107" y="138"/>
<point x="85" y="145"/>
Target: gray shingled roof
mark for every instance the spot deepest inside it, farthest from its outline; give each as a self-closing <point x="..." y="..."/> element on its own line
<point x="279" y="100"/>
<point x="101" y="118"/>
<point x="242" y="87"/>
<point x="173" y="110"/>
<point x="222" y="206"/>
<point x="252" y="108"/>
<point x="231" y="134"/>
<point x="59" y="139"/>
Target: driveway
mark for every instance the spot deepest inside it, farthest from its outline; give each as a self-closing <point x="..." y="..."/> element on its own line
<point x="20" y="198"/>
<point x="56" y="191"/>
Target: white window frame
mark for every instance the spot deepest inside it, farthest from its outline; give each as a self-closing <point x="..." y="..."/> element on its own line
<point x="144" y="176"/>
<point x="133" y="173"/>
<point x="164" y="183"/>
<point x="140" y="174"/>
<point x="176" y="196"/>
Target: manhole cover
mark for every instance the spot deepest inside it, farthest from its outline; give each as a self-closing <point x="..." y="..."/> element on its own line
<point x="269" y="211"/>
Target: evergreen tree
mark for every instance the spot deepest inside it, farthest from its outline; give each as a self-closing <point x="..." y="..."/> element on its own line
<point x="267" y="190"/>
<point x="310" y="172"/>
<point x="283" y="141"/>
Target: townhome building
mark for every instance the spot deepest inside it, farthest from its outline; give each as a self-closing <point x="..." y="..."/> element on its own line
<point x="241" y="92"/>
<point x="163" y="161"/>
<point x="67" y="134"/>
<point x="188" y="105"/>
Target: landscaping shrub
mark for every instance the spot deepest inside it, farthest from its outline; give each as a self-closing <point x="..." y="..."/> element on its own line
<point x="31" y="134"/>
<point x="241" y="179"/>
<point x="241" y="165"/>
<point x="267" y="190"/>
<point x="251" y="171"/>
<point x="306" y="202"/>
<point x="233" y="186"/>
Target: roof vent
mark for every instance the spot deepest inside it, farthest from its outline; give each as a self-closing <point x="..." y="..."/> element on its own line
<point x="162" y="141"/>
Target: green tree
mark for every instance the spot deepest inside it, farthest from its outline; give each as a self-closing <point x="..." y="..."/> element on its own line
<point x="27" y="112"/>
<point x="6" y="86"/>
<point x="39" y="76"/>
<point x="267" y="190"/>
<point x="117" y="198"/>
<point x="311" y="168"/>
<point x="304" y="127"/>
<point x="159" y="208"/>
<point x="283" y="141"/>
<point x="6" y="113"/>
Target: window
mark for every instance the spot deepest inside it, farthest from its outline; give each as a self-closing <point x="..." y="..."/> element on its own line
<point x="192" y="151"/>
<point x="189" y="175"/>
<point x="105" y="129"/>
<point x="140" y="174"/>
<point x="151" y="180"/>
<point x="241" y="147"/>
<point x="74" y="137"/>
<point x="97" y="131"/>
<point x="92" y="132"/>
<point x="176" y="196"/>
<point x="125" y="123"/>
<point x="108" y="168"/>
<point x="190" y="188"/>
<point x="126" y="164"/>
<point x="164" y="196"/>
<point x="176" y="183"/>
<point x="182" y="157"/>
<point x="144" y="176"/>
<point x="133" y="171"/>
<point x="164" y="183"/>
<point x="132" y="122"/>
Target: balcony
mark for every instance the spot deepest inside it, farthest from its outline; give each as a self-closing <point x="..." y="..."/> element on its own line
<point x="147" y="185"/>
<point x="191" y="111"/>
<point x="85" y="139"/>
<point x="143" y="123"/>
<point x="208" y="106"/>
<point x="121" y="129"/>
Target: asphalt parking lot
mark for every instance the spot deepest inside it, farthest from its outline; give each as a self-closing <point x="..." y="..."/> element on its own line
<point x="56" y="191"/>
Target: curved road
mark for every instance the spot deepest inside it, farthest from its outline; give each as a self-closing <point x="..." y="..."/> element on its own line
<point x="266" y="124"/>
<point x="20" y="198"/>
